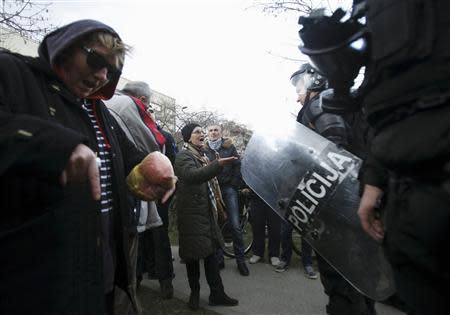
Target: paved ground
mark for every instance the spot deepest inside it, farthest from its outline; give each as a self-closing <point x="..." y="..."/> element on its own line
<point x="264" y="292"/>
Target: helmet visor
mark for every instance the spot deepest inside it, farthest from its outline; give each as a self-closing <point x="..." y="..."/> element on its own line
<point x="302" y="82"/>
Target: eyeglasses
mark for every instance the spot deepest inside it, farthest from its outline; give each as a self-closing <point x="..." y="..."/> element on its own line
<point x="97" y="62"/>
<point x="213" y="130"/>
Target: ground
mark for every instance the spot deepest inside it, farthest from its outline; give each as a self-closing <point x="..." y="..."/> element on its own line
<point x="152" y="304"/>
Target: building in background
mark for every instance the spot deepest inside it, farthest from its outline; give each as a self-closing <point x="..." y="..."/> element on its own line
<point x="14" y="42"/>
<point x="165" y="110"/>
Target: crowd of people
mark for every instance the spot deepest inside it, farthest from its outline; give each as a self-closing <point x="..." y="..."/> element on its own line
<point x="88" y="178"/>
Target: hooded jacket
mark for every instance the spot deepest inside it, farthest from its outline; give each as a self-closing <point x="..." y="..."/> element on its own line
<point x="50" y="236"/>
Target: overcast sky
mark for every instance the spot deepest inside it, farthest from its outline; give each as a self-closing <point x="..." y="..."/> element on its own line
<point x="215" y="54"/>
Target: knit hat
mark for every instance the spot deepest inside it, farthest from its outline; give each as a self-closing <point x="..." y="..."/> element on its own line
<point x="186" y="131"/>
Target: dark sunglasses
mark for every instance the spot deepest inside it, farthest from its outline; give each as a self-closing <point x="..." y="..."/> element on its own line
<point x="97" y="62"/>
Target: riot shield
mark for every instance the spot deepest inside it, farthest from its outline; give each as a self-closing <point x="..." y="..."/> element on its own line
<point x="312" y="183"/>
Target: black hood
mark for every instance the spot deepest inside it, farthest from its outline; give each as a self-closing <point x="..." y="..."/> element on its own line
<point x="57" y="41"/>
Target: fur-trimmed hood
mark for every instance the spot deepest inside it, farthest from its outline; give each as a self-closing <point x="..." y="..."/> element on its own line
<point x="227" y="142"/>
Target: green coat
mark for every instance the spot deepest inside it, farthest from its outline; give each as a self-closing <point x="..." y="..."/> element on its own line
<point x="199" y="233"/>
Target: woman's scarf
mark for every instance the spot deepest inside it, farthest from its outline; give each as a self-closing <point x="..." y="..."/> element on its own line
<point x="214" y="193"/>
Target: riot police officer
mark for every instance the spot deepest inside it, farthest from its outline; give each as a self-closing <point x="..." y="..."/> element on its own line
<point x="340" y="129"/>
<point x="406" y="99"/>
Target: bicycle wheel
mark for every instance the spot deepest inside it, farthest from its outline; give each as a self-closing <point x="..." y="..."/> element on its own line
<point x="247" y="235"/>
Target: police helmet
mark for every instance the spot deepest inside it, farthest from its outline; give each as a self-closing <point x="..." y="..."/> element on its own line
<point x="308" y="78"/>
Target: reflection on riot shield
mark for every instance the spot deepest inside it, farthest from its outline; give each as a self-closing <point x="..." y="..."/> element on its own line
<point x="312" y="183"/>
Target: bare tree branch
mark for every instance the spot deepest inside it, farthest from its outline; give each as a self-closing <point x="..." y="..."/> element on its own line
<point x="27" y="17"/>
<point x="275" y="7"/>
<point x="301" y="7"/>
<point x="287" y="58"/>
<point x="238" y="132"/>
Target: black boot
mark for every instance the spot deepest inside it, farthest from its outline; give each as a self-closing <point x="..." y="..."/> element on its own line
<point x="222" y="299"/>
<point x="243" y="270"/>
<point x="166" y="289"/>
<point x="194" y="300"/>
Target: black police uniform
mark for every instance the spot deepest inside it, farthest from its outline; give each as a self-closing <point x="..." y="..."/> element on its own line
<point x="407" y="100"/>
<point x="343" y="298"/>
<point x="405" y="48"/>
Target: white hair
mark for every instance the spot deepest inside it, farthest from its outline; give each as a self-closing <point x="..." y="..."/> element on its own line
<point x="137" y="89"/>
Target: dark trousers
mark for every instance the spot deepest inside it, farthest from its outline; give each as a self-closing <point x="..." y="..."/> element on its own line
<point x="109" y="303"/>
<point x="230" y="198"/>
<point x="416" y="243"/>
<point x="163" y="211"/>
<point x="343" y="299"/>
<point x="286" y="246"/>
<point x="212" y="274"/>
<point x="155" y="255"/>
<point x="262" y="215"/>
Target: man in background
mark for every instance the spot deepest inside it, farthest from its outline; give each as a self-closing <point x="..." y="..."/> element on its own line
<point x="230" y="180"/>
<point x="131" y="108"/>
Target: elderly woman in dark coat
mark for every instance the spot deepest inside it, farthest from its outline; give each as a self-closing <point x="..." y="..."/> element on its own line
<point x="199" y="233"/>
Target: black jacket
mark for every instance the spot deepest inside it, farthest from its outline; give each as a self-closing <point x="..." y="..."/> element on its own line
<point x="50" y="240"/>
<point x="349" y="130"/>
<point x="231" y="174"/>
<point x="171" y="147"/>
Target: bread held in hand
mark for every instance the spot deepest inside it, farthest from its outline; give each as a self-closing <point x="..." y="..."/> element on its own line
<point x="153" y="178"/>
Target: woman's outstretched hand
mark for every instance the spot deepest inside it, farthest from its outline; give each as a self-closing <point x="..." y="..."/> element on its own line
<point x="226" y="161"/>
